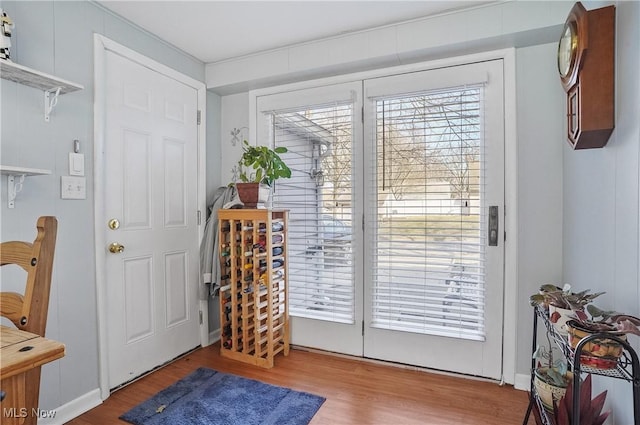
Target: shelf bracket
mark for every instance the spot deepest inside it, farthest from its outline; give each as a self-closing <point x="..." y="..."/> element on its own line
<point x="50" y="101"/>
<point x="13" y="188"/>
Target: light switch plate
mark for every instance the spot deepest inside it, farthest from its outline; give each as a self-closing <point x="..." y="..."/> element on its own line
<point x="73" y="187"/>
<point x="76" y="164"/>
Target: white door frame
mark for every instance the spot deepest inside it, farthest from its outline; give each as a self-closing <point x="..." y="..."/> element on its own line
<point x="101" y="45"/>
<point x="511" y="171"/>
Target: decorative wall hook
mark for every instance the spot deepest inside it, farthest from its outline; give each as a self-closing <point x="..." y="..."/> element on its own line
<point x="237" y="135"/>
<point x="235" y="173"/>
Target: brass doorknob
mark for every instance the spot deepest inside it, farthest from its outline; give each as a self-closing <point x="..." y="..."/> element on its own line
<point x="116" y="248"/>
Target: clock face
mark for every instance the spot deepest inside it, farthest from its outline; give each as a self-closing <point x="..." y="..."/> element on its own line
<point x="567" y="49"/>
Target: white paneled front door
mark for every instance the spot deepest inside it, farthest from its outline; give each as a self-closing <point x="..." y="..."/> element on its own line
<point x="151" y="158"/>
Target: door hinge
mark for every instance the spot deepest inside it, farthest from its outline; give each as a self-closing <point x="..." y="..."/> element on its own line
<point x="363" y="222"/>
<point x="363" y="328"/>
<point x="199" y="117"/>
<point x="199" y="217"/>
<point x="504" y="216"/>
<point x="362" y="114"/>
<point x="200" y="313"/>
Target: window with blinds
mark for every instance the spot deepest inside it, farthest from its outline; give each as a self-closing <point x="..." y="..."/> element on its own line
<point x="319" y="197"/>
<point x="426" y="214"/>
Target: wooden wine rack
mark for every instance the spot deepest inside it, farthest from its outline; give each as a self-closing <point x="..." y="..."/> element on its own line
<point x="254" y="309"/>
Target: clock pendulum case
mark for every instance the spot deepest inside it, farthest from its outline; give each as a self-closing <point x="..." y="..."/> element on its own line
<point x="586" y="54"/>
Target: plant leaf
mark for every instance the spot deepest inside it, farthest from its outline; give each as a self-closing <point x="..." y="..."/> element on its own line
<point x="628" y="327"/>
<point x="536" y="299"/>
<point x="561" y="411"/>
<point x="595" y="311"/>
<point x="600" y="420"/>
<point x="562" y="368"/>
<point x="585" y="396"/>
<point x="537" y="353"/>
<point x="581" y="315"/>
<point x="568" y="400"/>
<point x="597" y="404"/>
<point x="549" y="287"/>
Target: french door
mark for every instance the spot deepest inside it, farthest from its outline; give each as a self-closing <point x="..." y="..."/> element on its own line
<point x="322" y="131"/>
<point x="391" y="251"/>
<point x="435" y="170"/>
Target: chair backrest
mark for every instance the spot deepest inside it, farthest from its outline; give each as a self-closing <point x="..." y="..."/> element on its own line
<point x="28" y="311"/>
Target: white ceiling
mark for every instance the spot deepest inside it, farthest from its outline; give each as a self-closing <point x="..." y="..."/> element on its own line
<point x="214" y="31"/>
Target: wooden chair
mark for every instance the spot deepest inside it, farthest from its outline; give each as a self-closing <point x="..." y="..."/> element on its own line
<point x="28" y="311"/>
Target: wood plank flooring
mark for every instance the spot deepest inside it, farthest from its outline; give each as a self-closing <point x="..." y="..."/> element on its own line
<point x="357" y="392"/>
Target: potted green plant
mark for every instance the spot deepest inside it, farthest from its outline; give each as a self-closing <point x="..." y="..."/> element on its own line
<point x="601" y="352"/>
<point x="551" y="377"/>
<point x="590" y="409"/>
<point x="259" y="167"/>
<point x="562" y="303"/>
<point x="551" y="294"/>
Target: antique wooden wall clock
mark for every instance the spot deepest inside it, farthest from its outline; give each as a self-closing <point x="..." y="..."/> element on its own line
<point x="586" y="54"/>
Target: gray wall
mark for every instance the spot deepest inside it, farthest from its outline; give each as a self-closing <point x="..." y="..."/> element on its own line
<point x="540" y="110"/>
<point x="57" y="38"/>
<point x="235" y="115"/>
<point x="601" y="194"/>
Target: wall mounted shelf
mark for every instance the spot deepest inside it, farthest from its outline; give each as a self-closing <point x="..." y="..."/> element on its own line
<point x="18" y="173"/>
<point x="51" y="86"/>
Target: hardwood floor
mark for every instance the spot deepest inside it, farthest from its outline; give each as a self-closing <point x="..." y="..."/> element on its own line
<point x="357" y="392"/>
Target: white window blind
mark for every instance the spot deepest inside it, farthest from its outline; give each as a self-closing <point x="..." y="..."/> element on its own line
<point x="426" y="214"/>
<point x="319" y="197"/>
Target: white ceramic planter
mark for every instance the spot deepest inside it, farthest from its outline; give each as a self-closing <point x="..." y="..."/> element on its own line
<point x="548" y="393"/>
<point x="559" y="317"/>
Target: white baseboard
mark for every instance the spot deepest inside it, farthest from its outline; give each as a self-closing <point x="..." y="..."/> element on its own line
<point x="523" y="382"/>
<point x="214" y="336"/>
<point x="74" y="408"/>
